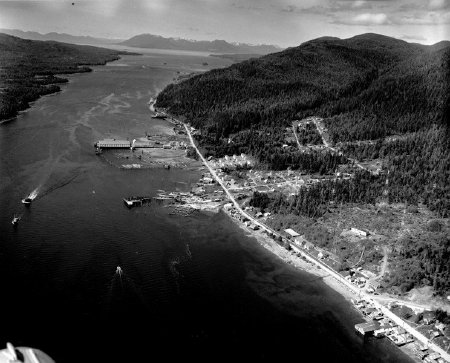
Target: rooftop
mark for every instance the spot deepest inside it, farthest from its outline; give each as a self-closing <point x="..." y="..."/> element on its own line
<point x="291" y="232"/>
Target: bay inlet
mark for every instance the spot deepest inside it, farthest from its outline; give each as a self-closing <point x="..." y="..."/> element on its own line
<point x="190" y="287"/>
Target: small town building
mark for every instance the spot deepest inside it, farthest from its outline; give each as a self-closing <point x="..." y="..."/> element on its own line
<point x="367" y="328"/>
<point x="292" y="233"/>
<point x="300" y="240"/>
<point x="433" y="357"/>
<point x="228" y="206"/>
<point x="359" y="232"/>
<point x="429" y="317"/>
<point x="435" y="334"/>
<point x="440" y="326"/>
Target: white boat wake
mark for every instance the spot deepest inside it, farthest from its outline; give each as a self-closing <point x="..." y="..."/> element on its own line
<point x="33" y="194"/>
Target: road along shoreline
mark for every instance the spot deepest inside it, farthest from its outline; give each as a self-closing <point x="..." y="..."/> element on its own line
<point x="339" y="284"/>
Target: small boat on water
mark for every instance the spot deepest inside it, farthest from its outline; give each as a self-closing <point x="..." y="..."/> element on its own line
<point x="15" y="220"/>
<point x="119" y="270"/>
<point x="27" y="201"/>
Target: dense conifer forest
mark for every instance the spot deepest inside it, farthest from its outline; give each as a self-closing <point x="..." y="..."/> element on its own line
<point x="30" y="68"/>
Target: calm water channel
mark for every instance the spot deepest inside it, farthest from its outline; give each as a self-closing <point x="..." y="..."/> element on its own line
<point x="192" y="287"/>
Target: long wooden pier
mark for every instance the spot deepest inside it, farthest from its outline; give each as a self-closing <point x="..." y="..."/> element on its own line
<point x="113" y="144"/>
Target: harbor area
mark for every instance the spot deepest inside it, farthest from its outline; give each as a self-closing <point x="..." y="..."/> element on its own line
<point x="167" y="147"/>
<point x="205" y="195"/>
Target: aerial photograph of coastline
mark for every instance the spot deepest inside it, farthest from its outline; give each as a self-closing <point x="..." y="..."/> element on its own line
<point x="225" y="181"/>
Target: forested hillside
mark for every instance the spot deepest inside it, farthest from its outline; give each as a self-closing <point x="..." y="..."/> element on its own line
<point x="374" y="85"/>
<point x="29" y="68"/>
<point x="366" y="87"/>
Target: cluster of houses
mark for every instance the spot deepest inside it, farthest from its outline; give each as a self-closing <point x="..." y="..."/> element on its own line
<point x="233" y="212"/>
<point x="231" y="162"/>
<point x="253" y="211"/>
<point x="380" y="326"/>
<point x="355" y="277"/>
<point x="435" y="330"/>
<point x="302" y="242"/>
<point x="205" y="185"/>
<point x="229" y="208"/>
<point x="377" y="324"/>
<point x="175" y="145"/>
<point x="206" y="179"/>
<point x="288" y="181"/>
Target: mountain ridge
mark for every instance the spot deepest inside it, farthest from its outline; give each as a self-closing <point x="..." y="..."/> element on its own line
<point x="325" y="65"/>
<point x="214" y="46"/>
<point x="60" y="37"/>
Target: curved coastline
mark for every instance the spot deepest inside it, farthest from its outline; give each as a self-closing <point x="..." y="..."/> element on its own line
<point x="29" y="104"/>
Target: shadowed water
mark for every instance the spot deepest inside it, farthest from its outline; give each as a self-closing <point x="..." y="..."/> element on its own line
<point x="190" y="287"/>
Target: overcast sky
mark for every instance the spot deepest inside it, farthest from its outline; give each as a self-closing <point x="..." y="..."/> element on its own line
<point x="281" y="22"/>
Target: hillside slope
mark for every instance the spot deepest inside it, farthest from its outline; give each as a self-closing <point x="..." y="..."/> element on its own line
<point x="366" y="87"/>
<point x="29" y="68"/>
<point x="368" y="77"/>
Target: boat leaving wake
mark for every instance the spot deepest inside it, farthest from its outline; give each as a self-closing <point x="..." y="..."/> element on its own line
<point x="32" y="196"/>
<point x="60" y="183"/>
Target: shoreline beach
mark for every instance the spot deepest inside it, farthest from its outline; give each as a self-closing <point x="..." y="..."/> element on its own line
<point x="299" y="263"/>
<point x="292" y="259"/>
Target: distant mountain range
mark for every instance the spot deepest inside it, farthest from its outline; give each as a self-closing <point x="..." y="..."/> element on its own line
<point x="60" y="37"/>
<point x="151" y="41"/>
<point x="215" y="46"/>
